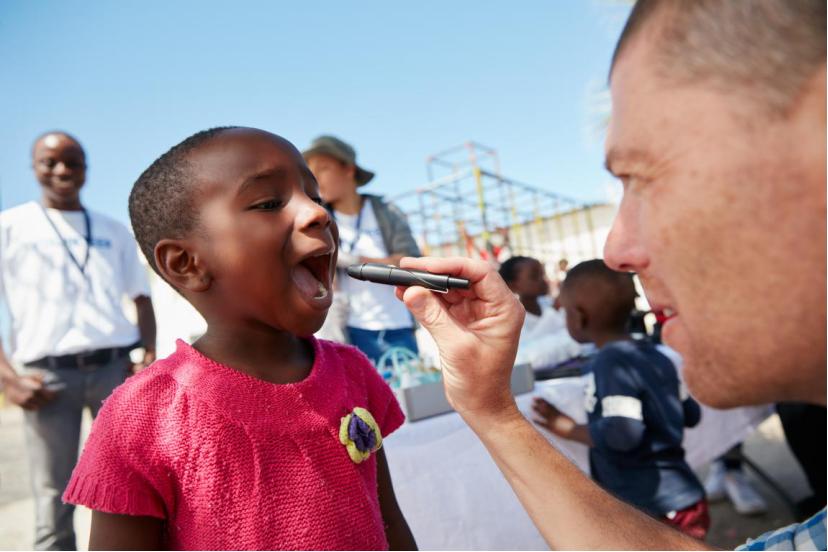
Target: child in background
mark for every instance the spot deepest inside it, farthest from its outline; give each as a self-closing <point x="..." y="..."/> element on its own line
<point x="636" y="408"/>
<point x="257" y="436"/>
<point x="544" y="341"/>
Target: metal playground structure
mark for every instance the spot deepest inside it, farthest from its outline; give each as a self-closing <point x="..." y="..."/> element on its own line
<point x="469" y="208"/>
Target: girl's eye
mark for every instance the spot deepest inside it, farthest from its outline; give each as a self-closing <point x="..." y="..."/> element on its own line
<point x="269" y="205"/>
<point x="318" y="200"/>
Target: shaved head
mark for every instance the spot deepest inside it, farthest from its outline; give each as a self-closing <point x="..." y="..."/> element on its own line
<point x="764" y="50"/>
<point x="51" y="139"/>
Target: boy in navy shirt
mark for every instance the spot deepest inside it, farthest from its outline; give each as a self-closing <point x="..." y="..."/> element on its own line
<point x="636" y="407"/>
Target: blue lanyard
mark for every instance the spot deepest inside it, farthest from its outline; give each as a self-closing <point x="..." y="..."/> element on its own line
<point x="87" y="237"/>
<point x="353" y="242"/>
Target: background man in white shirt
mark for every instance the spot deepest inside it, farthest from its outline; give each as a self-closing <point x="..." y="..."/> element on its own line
<point x="64" y="272"/>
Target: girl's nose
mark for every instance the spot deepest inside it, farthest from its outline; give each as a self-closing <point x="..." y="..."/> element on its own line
<point x="313" y="215"/>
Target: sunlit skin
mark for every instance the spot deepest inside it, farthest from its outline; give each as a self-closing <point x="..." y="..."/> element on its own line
<point x="723" y="218"/>
<point x="260" y="215"/>
<point x="59" y="164"/>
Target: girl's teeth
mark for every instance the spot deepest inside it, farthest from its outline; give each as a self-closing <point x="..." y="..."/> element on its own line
<point x="669" y="312"/>
<point x="322" y="292"/>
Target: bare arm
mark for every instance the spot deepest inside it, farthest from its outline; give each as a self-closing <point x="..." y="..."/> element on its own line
<point x="396" y="528"/>
<point x="120" y="532"/>
<point x="147" y="330"/>
<point x="569" y="510"/>
<point x="477" y="333"/>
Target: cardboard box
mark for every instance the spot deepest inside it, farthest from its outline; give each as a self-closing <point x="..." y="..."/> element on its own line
<point x="429" y="399"/>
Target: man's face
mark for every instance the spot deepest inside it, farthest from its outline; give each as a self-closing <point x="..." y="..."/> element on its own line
<point x="723" y="218"/>
<point x="268" y="243"/>
<point x="336" y="179"/>
<point x="60" y="167"/>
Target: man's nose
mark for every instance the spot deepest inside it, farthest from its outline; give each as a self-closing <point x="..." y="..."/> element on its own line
<point x="624" y="250"/>
<point x="62" y="169"/>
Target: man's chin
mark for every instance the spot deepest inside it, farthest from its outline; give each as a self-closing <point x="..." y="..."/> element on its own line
<point x="707" y="387"/>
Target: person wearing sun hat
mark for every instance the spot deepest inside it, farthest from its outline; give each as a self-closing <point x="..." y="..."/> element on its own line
<point x="371" y="230"/>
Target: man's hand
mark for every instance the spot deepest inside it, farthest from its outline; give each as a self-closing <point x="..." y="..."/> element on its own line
<point x="549" y="417"/>
<point x="27" y="392"/>
<point x="476" y="331"/>
<point x="148" y="358"/>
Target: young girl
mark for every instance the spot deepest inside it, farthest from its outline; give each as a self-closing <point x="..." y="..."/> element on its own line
<point x="257" y="436"/>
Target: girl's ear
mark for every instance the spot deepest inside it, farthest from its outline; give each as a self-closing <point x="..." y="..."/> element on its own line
<point x="180" y="266"/>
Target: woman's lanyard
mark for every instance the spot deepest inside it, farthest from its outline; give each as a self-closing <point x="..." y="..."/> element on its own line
<point x="87" y="237"/>
<point x="352" y="244"/>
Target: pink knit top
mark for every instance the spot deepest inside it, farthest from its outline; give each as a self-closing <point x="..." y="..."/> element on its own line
<point x="233" y="462"/>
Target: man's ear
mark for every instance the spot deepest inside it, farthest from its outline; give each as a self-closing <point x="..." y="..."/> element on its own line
<point x="180" y="266"/>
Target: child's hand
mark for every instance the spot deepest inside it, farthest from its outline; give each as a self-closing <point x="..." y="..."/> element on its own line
<point x="549" y="417"/>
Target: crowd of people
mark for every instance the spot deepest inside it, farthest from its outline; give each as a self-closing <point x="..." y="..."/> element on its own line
<point x="259" y="435"/>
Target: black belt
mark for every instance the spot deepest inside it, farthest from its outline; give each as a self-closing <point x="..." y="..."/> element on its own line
<point x="81" y="360"/>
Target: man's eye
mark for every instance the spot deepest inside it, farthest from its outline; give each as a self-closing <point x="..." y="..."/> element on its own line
<point x="318" y="200"/>
<point x="269" y="205"/>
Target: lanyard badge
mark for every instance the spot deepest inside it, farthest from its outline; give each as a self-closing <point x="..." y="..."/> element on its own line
<point x="87" y="238"/>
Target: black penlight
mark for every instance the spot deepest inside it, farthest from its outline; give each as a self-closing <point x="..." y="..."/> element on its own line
<point x="395" y="276"/>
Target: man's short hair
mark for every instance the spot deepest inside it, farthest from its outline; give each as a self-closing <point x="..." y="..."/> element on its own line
<point x="161" y="202"/>
<point x="769" y="49"/>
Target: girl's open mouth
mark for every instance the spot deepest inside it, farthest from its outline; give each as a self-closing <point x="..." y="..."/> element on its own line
<point x="313" y="276"/>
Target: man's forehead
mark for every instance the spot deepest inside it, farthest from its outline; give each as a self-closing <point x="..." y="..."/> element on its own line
<point x="57" y="140"/>
<point x="634" y="87"/>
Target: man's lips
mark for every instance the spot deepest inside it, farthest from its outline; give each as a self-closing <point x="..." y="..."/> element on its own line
<point x="63" y="185"/>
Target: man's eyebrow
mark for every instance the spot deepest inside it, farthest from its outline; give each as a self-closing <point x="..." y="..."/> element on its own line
<point x="616" y="155"/>
<point x="273" y="173"/>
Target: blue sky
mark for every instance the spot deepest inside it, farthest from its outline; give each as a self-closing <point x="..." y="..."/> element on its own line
<point x="398" y="80"/>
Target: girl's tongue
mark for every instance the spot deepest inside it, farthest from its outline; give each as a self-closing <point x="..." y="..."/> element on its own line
<point x="307" y="282"/>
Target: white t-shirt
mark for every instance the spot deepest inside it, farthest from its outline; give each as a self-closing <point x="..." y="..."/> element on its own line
<point x="544" y="340"/>
<point x="370" y="306"/>
<point x="54" y="308"/>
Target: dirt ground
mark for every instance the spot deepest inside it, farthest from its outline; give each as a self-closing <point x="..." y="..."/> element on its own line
<point x="766" y="447"/>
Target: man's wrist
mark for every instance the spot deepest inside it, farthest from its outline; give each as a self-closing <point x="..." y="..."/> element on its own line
<point x="494" y="420"/>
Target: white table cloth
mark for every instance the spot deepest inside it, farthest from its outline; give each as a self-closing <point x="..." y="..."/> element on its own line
<point x="455" y="498"/>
